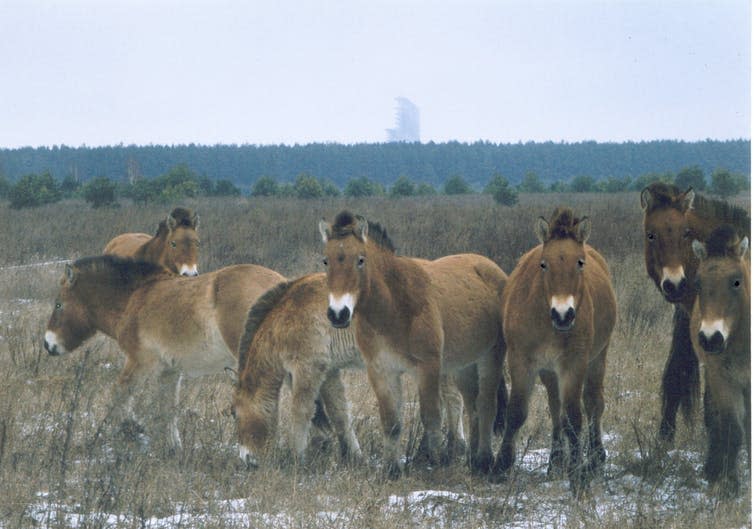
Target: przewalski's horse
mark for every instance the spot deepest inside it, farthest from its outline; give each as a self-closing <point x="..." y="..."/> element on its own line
<point x="175" y="245"/>
<point x="166" y="325"/>
<point x="721" y="334"/>
<point x="672" y="220"/>
<point x="424" y="317"/>
<point x="288" y="336"/>
<point x="559" y="311"/>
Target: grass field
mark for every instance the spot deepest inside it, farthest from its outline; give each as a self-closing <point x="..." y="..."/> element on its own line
<point x="58" y="468"/>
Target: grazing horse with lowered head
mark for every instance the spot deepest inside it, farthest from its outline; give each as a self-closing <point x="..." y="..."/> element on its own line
<point x="175" y="245"/>
<point x="559" y="311"/>
<point x="288" y="336"/>
<point x="427" y="318"/>
<point x="166" y="325"/>
<point x="721" y="333"/>
<point x="672" y="220"/>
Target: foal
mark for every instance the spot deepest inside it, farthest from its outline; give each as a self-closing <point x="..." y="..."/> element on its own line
<point x="559" y="310"/>
<point x="721" y="334"/>
<point x="424" y="317"/>
<point x="175" y="245"/>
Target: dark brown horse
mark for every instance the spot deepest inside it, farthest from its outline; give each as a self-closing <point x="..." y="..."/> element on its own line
<point x="721" y="333"/>
<point x="559" y="311"/>
<point x="428" y="318"/>
<point x="672" y="220"/>
<point x="166" y="325"/>
<point x="175" y="245"/>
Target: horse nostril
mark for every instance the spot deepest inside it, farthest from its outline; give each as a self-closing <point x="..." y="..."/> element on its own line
<point x="668" y="287"/>
<point x="570" y="315"/>
<point x="713" y="344"/>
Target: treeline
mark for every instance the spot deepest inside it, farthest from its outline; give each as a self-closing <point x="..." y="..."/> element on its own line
<point x="431" y="163"/>
<point x="181" y="182"/>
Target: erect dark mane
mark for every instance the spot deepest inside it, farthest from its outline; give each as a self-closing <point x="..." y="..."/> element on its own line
<point x="721" y="211"/>
<point x="663" y="196"/>
<point x="162" y="229"/>
<point x="123" y="271"/>
<point x="257" y="314"/>
<point x="563" y="224"/>
<point x="722" y="241"/>
<point x="183" y="217"/>
<point x="345" y="224"/>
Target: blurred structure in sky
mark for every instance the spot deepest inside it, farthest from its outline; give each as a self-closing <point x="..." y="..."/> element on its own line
<point x="406" y="122"/>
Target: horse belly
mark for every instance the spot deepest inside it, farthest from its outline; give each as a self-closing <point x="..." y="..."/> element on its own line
<point x="208" y="356"/>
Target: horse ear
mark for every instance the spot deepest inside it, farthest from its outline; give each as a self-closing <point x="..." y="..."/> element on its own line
<point x="70" y="274"/>
<point x="742" y="247"/>
<point x="233" y="374"/>
<point x="542" y="229"/>
<point x="324" y="230"/>
<point x="687" y="202"/>
<point x="171" y="222"/>
<point x="583" y="229"/>
<point x="195" y="220"/>
<point x="699" y="250"/>
<point x="362" y="228"/>
<point x="646" y="198"/>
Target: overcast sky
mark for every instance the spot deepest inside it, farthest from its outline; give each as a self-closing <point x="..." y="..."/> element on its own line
<point x="105" y="72"/>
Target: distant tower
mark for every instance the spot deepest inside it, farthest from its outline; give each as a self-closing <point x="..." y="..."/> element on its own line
<point x="406" y="122"/>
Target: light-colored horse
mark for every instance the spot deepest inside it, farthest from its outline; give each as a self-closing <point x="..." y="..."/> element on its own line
<point x="288" y="336"/>
<point x="427" y="318"/>
<point x="166" y="325"/>
<point x="721" y="334"/>
<point x="175" y="245"/>
<point x="559" y="311"/>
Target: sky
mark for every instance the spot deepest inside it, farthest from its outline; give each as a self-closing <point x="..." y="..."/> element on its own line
<point x="168" y="72"/>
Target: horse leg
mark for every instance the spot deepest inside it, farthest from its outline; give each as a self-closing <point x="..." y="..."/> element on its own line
<point x="488" y="372"/>
<point x="680" y="381"/>
<point x="386" y="385"/>
<point x="594" y="405"/>
<point x="452" y="403"/>
<point x="305" y="389"/>
<point x="169" y="389"/>
<point x="572" y="383"/>
<point x="556" y="463"/>
<point x="522" y="382"/>
<point x="122" y="402"/>
<point x="428" y="382"/>
<point x="338" y="408"/>
<point x="726" y="416"/>
<point x="467" y="381"/>
<point x="502" y="391"/>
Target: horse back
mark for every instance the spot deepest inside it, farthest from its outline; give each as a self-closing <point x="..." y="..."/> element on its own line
<point x="126" y="244"/>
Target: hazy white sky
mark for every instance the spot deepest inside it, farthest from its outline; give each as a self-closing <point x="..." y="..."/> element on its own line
<point x="104" y="72"/>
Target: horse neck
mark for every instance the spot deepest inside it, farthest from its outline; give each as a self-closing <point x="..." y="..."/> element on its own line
<point x="106" y="306"/>
<point x="270" y="376"/>
<point x="708" y="214"/>
<point x="153" y="250"/>
<point x="392" y="282"/>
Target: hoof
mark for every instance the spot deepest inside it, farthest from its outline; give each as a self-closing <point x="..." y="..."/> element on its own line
<point x="481" y="464"/>
<point x="392" y="471"/>
<point x="131" y="430"/>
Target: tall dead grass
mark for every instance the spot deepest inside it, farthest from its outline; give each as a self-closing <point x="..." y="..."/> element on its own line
<point x="60" y="467"/>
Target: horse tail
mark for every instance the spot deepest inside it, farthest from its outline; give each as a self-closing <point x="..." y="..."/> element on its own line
<point x="257" y="314"/>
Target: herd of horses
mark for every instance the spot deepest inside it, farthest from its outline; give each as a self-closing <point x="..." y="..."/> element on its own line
<point x="453" y="324"/>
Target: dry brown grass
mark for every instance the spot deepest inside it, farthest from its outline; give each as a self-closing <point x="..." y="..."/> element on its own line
<point x="58" y="468"/>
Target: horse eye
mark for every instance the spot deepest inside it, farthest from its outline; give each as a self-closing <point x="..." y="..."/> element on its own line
<point x="361" y="261"/>
<point x="324" y="261"/>
<point x="58" y="306"/>
<point x="650" y="236"/>
<point x="543" y="265"/>
<point x="172" y="244"/>
<point x="736" y="283"/>
<point x="581" y="264"/>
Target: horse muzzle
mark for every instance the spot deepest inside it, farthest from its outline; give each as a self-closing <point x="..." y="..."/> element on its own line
<point x="712" y="336"/>
<point x="52" y="346"/>
<point x="563" y="322"/>
<point x="339" y="319"/>
<point x="189" y="271"/>
<point x="674" y="292"/>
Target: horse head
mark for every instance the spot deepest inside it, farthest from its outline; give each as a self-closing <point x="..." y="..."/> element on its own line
<point x="562" y="263"/>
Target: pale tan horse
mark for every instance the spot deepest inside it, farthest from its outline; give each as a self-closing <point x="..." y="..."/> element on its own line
<point x="175" y="245"/>
<point x="559" y="311"/>
<point x="167" y="326"/>
<point x="721" y="334"/>
<point x="427" y="318"/>
<point x="288" y="337"/>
